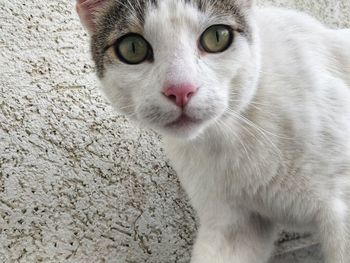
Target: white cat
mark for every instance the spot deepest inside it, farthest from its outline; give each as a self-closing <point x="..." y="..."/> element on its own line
<point x="254" y="107"/>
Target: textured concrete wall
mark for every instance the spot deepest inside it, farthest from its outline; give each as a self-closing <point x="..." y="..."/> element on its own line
<point x="77" y="182"/>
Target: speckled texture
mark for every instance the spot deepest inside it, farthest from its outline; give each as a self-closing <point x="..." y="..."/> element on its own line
<point x="77" y="182"/>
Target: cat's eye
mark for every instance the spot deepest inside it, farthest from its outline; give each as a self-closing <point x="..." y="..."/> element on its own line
<point x="217" y="38"/>
<point x="133" y="49"/>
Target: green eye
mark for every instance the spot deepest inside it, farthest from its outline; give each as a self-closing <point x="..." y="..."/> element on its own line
<point x="216" y="38"/>
<point x="133" y="49"/>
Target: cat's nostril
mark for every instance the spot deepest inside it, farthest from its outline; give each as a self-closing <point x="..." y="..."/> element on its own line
<point x="172" y="97"/>
<point x="180" y="94"/>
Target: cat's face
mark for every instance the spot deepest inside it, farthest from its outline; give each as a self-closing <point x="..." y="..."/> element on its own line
<point x="175" y="66"/>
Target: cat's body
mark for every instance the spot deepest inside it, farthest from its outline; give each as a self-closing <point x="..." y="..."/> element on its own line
<point x="298" y="164"/>
<point x="276" y="148"/>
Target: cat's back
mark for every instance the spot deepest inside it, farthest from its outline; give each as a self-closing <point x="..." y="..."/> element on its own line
<point x="305" y="76"/>
<point x="293" y="41"/>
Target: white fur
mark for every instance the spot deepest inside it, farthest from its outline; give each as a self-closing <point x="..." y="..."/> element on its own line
<point x="274" y="145"/>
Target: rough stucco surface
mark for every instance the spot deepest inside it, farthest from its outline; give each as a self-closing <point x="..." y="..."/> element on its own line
<point x="77" y="182"/>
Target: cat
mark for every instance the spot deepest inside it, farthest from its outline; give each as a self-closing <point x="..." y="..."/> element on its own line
<point x="254" y="108"/>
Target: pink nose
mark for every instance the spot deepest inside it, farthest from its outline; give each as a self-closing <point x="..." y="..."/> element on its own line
<point x="180" y="94"/>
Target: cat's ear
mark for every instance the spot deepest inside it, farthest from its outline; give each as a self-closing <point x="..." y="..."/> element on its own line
<point x="87" y="10"/>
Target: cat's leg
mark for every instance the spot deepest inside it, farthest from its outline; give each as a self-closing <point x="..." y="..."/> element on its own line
<point x="247" y="240"/>
<point x="333" y="225"/>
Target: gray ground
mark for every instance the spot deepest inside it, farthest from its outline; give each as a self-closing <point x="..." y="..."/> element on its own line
<point x="77" y="182"/>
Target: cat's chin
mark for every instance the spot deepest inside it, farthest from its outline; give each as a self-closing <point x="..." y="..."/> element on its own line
<point x="183" y="128"/>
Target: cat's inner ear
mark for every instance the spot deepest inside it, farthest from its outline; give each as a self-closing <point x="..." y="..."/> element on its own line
<point x="248" y="3"/>
<point x="87" y="10"/>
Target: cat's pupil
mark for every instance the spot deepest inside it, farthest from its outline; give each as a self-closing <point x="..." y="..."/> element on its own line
<point x="217" y="36"/>
<point x="133" y="47"/>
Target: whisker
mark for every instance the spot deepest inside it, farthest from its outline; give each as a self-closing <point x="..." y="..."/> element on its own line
<point x="260" y="131"/>
<point x="251" y="123"/>
<point x="255" y="165"/>
<point x="128" y="106"/>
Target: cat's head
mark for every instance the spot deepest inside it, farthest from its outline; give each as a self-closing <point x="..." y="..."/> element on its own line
<point x="176" y="66"/>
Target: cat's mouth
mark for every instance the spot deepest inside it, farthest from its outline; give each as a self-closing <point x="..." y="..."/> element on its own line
<point x="183" y="121"/>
